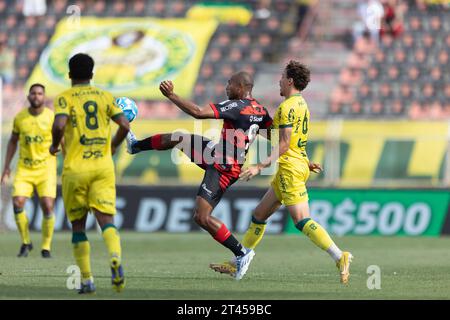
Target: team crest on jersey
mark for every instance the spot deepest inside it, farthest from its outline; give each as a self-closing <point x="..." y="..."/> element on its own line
<point x="254" y="110"/>
<point x="62" y="102"/>
<point x="291" y="115"/>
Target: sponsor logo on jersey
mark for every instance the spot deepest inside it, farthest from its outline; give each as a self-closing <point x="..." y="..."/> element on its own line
<point x="229" y="106"/>
<point x="85" y="141"/>
<point x="101" y="201"/>
<point x="73" y="210"/>
<point x="32" y="163"/>
<point x="206" y="189"/>
<point x="73" y="118"/>
<point x="35" y="139"/>
<point x="92" y="154"/>
<point x="256" y="119"/>
<point x="283" y="184"/>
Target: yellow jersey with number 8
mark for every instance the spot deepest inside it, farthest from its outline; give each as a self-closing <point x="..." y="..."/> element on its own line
<point x="293" y="113"/>
<point x="87" y="134"/>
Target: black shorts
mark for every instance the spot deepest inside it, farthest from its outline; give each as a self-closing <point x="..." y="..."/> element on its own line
<point x="215" y="181"/>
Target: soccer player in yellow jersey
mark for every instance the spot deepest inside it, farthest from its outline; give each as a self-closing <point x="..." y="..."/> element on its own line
<point x="82" y="115"/>
<point x="36" y="168"/>
<point x="289" y="184"/>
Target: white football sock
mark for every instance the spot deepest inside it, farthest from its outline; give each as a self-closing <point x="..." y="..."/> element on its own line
<point x="334" y="252"/>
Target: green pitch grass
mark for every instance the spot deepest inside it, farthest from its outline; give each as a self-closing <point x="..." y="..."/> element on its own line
<point x="175" y="266"/>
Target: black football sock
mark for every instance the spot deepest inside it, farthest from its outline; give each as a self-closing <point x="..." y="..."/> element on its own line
<point x="234" y="245"/>
<point x="224" y="237"/>
<point x="145" y="144"/>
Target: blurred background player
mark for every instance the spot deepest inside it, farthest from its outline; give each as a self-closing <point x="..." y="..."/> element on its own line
<point x="36" y="168"/>
<point x="289" y="184"/>
<point x="83" y="116"/>
<point x="243" y="117"/>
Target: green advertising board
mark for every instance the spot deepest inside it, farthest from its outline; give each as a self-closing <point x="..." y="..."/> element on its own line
<point x="378" y="212"/>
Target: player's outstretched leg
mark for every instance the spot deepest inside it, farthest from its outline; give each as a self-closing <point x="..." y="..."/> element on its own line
<point x="112" y="240"/>
<point x="320" y="237"/>
<point x="22" y="225"/>
<point x="48" y="224"/>
<point x="162" y="141"/>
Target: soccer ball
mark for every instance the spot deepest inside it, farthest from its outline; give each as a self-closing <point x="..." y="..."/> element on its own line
<point x="128" y="106"/>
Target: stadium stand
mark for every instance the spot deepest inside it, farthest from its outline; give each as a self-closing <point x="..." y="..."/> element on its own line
<point x="233" y="47"/>
<point x="408" y="73"/>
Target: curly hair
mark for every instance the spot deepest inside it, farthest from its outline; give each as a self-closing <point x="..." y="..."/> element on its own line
<point x="299" y="73"/>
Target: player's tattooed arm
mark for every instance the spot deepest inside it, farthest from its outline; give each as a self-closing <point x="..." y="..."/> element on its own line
<point x="277" y="151"/>
<point x="10" y="151"/>
<point x="58" y="132"/>
<point x="166" y="88"/>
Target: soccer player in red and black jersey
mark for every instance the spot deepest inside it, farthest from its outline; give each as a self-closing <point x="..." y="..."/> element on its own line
<point x="243" y="118"/>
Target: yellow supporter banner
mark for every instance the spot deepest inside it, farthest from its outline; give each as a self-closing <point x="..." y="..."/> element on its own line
<point x="223" y="12"/>
<point x="132" y="55"/>
<point x="367" y="149"/>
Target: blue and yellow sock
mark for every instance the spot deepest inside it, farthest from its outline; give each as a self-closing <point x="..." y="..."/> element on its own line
<point x="254" y="233"/>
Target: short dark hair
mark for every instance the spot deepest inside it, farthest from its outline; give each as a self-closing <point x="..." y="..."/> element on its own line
<point x="299" y="73"/>
<point x="81" y="66"/>
<point x="245" y="79"/>
<point x="36" y="85"/>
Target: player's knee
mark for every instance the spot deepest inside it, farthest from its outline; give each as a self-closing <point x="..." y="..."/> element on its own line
<point x="18" y="203"/>
<point x="47" y="212"/>
<point x="47" y="209"/>
<point x="200" y="219"/>
<point x="78" y="226"/>
<point x="103" y="219"/>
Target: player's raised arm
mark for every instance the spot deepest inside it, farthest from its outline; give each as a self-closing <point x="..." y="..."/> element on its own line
<point x="166" y="88"/>
<point x="122" y="131"/>
<point x="58" y="132"/>
<point x="10" y="151"/>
